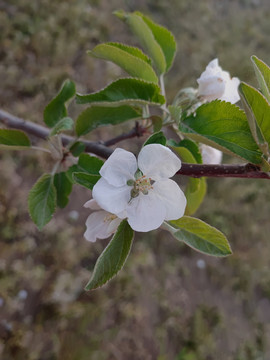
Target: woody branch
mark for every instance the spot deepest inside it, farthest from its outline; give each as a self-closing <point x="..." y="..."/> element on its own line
<point x="102" y="149"/>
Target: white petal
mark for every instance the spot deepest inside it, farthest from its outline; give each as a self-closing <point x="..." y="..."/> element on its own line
<point x="158" y="162"/>
<point x="172" y="198"/>
<point x="213" y="82"/>
<point x="231" y="91"/>
<point x="213" y="65"/>
<point x="120" y="167"/>
<point x="210" y="155"/>
<point x="97" y="226"/>
<point x="122" y="214"/>
<point x="145" y="213"/>
<point x="111" y="198"/>
<point x="211" y="69"/>
<point x="211" y="88"/>
<point x="113" y="225"/>
<point x="92" y="204"/>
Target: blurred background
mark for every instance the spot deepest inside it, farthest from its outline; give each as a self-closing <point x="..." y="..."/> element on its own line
<point x="169" y="302"/>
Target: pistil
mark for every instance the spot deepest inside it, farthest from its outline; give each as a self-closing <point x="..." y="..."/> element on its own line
<point x="141" y="184"/>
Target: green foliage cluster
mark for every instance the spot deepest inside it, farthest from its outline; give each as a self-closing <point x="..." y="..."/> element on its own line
<point x="218" y="124"/>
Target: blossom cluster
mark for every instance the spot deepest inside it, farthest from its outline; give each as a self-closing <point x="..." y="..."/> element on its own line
<point x="140" y="191"/>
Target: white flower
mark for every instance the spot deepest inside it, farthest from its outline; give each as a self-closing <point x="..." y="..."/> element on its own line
<point x="142" y="191"/>
<point x="215" y="83"/>
<point x="210" y="155"/>
<point x="100" y="224"/>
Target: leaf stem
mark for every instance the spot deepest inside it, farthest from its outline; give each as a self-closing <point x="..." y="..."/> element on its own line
<point x="162" y="86"/>
<point x="55" y="168"/>
<point x="163" y="92"/>
<point x="146" y="113"/>
<point x="40" y="149"/>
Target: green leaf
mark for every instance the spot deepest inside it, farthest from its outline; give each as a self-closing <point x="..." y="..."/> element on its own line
<point x="224" y="126"/>
<point x="263" y="75"/>
<point x="131" y="59"/>
<point x="14" y="138"/>
<point x="157" y="123"/>
<point x="187" y="150"/>
<point x="200" y="236"/>
<point x="63" y="188"/>
<point x="133" y="51"/>
<point x="195" y="191"/>
<point x="77" y="148"/>
<point x="96" y="116"/>
<point x="146" y="37"/>
<point x="258" y="113"/>
<point x="113" y="257"/>
<point x="125" y="92"/>
<point x="90" y="164"/>
<point x="86" y="180"/>
<point x="86" y="164"/>
<point x="56" y="109"/>
<point x="63" y="124"/>
<point x="156" y="138"/>
<point x="42" y="200"/>
<point x="164" y="38"/>
<point x="176" y="113"/>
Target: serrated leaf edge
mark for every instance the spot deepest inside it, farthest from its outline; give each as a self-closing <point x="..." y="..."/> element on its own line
<point x="168" y="66"/>
<point x="78" y="95"/>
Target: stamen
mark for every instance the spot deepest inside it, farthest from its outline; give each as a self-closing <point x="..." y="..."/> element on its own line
<point x="109" y="218"/>
<point x="141" y="184"/>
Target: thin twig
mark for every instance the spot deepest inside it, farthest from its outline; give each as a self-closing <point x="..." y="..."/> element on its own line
<point x="137" y="131"/>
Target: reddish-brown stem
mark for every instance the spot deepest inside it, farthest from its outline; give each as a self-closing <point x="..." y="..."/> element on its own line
<point x="102" y="150"/>
<point x="137" y="131"/>
<point x="237" y="171"/>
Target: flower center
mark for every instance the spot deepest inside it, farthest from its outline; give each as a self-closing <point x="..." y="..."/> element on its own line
<point x="141" y="184"/>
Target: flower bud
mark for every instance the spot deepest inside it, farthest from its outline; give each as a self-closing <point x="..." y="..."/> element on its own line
<point x="215" y="83"/>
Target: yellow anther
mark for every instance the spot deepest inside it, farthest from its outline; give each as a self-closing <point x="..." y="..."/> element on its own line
<point x="109" y="218"/>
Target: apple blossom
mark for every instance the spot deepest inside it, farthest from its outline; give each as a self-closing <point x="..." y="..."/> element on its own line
<point x="141" y="190"/>
<point x="215" y="83"/>
<point x="100" y="224"/>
